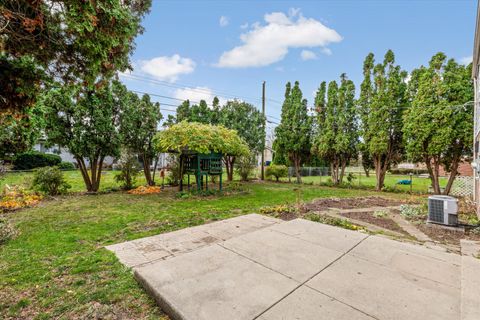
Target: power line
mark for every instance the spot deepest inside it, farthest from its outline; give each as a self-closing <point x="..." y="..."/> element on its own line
<point x="189" y="87"/>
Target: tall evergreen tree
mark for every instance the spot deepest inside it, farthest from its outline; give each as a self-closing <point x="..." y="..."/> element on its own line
<point x="366" y="94"/>
<point x="294" y="131"/>
<point x="438" y="127"/>
<point x="382" y="124"/>
<point x="336" y="135"/>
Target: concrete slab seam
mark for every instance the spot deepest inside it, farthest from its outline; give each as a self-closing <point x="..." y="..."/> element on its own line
<point x="303" y="283"/>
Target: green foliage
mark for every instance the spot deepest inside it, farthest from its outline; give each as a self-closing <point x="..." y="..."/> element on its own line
<point x="87" y="125"/>
<point x="338" y="222"/>
<point x="277" y="171"/>
<point x="294" y="131"/>
<point x="201" y="138"/>
<point x="50" y="180"/>
<point x="7" y="231"/>
<point x="19" y="131"/>
<point x="409" y="211"/>
<point x="138" y="125"/>
<point x="245" y="166"/>
<point x="34" y="159"/>
<point x="129" y="170"/>
<point x="72" y="40"/>
<point x="336" y="133"/>
<point x="440" y="95"/>
<point x="66" y="166"/>
<point x="382" y="103"/>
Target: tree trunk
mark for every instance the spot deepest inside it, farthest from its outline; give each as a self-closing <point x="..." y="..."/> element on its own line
<point x="229" y="162"/>
<point x="342" y="172"/>
<point x="379" y="172"/>
<point x="92" y="178"/>
<point x="146" y="169"/>
<point x="367" y="172"/>
<point x="433" y="171"/>
<point x="296" y="163"/>
<point x="180" y="187"/>
<point x="453" y="175"/>
<point x="84" y="172"/>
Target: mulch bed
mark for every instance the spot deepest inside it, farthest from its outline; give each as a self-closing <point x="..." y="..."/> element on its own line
<point x="367" y="216"/>
<point x="350" y="203"/>
<point x="446" y="235"/>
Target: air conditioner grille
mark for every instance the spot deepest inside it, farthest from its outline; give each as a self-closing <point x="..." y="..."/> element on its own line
<point x="435" y="210"/>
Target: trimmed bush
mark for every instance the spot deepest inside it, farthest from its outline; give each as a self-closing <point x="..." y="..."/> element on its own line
<point x="50" y="180"/>
<point x="34" y="159"/>
<point x="277" y="171"/>
<point x="66" y="166"/>
<point x="408" y="171"/>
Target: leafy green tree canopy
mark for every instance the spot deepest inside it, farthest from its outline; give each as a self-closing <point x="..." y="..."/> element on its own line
<point x="201" y="138"/>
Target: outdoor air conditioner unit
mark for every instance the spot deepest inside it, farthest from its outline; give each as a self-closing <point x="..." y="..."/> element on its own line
<point x="443" y="210"/>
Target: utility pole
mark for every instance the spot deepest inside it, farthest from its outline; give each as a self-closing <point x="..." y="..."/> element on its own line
<point x="262" y="177"/>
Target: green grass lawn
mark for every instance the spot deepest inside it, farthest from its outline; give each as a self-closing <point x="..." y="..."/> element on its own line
<point x="57" y="266"/>
<point x="419" y="185"/>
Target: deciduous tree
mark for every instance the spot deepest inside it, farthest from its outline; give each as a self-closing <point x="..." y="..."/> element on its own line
<point x="87" y="123"/>
<point x="438" y="126"/>
<point x="138" y="122"/>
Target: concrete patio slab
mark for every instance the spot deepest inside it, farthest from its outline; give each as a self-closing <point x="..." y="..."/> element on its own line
<point x="470" y="294"/>
<point x="213" y="283"/>
<point x="290" y="256"/>
<point x="308" y="304"/>
<point x="385" y="293"/>
<point x="163" y="246"/>
<point x="413" y="259"/>
<point x="321" y="234"/>
<point x="255" y="267"/>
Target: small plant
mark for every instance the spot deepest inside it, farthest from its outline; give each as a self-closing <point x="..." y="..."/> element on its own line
<point x="129" y="170"/>
<point x="276" y="210"/>
<point x="409" y="211"/>
<point x="7" y="231"/>
<point x="245" y="166"/>
<point x="277" y="171"/>
<point x="350" y="178"/>
<point x="380" y="213"/>
<point x="49" y="180"/>
<point x="342" y="223"/>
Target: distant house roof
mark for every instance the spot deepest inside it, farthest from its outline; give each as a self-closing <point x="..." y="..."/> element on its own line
<point x="476" y="46"/>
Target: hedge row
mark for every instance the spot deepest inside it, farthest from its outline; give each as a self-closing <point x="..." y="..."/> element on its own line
<point x="34" y="159"/>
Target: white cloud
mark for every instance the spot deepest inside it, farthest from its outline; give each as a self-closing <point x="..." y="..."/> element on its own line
<point x="326" y="51"/>
<point x="466" y="60"/>
<point x="223" y="21"/>
<point x="308" y="55"/>
<point x="244" y="26"/>
<point x="167" y="68"/>
<point x="268" y="43"/>
<point x="196" y="94"/>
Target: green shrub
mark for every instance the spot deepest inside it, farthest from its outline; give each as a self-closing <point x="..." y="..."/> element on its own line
<point x="244" y="166"/>
<point x="7" y="231"/>
<point x="66" y="166"/>
<point x="34" y="159"/>
<point x="408" y="171"/>
<point x="277" y="171"/>
<point x="50" y="180"/>
<point x="129" y="170"/>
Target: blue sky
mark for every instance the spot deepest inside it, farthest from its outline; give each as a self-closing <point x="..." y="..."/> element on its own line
<point x="227" y="48"/>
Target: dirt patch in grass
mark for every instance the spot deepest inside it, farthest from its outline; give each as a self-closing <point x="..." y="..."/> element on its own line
<point x="350" y="203"/>
<point x="369" y="217"/>
<point x="446" y="235"/>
